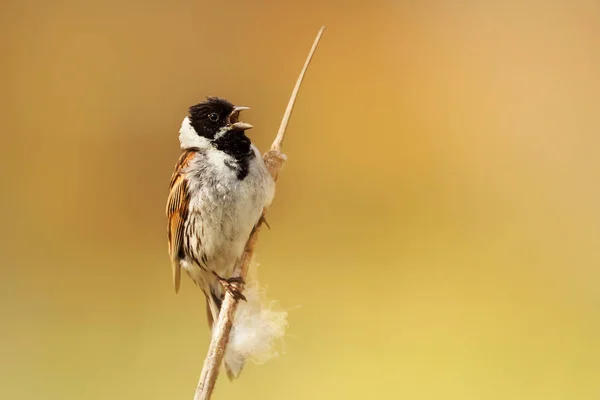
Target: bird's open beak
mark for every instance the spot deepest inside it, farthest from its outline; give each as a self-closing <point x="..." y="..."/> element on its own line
<point x="234" y="117"/>
<point x="242" y="126"/>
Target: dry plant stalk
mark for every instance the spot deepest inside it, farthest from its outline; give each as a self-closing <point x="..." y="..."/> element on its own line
<point x="274" y="160"/>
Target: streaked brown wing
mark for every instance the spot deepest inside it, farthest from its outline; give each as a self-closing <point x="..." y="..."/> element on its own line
<point x="177" y="213"/>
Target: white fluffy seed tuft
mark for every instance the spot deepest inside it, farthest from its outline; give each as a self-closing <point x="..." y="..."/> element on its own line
<point x="257" y="332"/>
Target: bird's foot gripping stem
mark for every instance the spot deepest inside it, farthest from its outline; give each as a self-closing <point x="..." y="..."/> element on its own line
<point x="231" y="285"/>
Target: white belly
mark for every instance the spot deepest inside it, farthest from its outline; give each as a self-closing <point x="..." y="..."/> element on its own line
<point x="223" y="210"/>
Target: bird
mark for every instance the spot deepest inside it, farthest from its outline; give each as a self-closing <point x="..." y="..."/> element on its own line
<point x="217" y="194"/>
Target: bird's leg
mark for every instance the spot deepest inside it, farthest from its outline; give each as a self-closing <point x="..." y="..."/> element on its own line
<point x="231" y="286"/>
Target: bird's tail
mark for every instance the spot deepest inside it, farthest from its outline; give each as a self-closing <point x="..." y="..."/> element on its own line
<point x="233" y="361"/>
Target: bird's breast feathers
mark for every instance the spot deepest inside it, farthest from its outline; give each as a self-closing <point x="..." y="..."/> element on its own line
<point x="222" y="208"/>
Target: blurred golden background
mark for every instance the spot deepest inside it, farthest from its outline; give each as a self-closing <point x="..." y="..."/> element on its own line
<point x="435" y="232"/>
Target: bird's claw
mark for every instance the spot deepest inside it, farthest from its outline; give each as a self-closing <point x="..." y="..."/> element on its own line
<point x="231" y="286"/>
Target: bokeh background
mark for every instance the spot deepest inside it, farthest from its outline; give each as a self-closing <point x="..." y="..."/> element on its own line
<point x="435" y="233"/>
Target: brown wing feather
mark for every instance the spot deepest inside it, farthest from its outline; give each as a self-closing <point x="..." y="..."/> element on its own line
<point x="177" y="213"/>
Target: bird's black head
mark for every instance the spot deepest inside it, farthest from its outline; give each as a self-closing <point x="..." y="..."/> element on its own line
<point x="216" y="120"/>
<point x="215" y="117"/>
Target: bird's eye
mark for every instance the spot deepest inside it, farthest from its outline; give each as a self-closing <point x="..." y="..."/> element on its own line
<point x="213" y="117"/>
